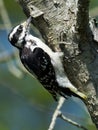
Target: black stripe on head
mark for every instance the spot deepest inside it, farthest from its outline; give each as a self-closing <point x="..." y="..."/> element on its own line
<point x="14" y="39"/>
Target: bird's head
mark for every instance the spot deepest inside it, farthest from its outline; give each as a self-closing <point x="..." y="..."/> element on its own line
<point x="18" y="33"/>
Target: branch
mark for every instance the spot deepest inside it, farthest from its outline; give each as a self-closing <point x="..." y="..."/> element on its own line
<point x="56" y="25"/>
<point x="82" y="21"/>
<point x="58" y="113"/>
<point x="72" y="122"/>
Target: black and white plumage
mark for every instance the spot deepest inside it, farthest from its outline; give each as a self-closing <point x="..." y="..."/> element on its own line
<point x="42" y="62"/>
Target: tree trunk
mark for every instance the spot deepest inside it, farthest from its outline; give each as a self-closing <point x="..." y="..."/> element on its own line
<point x="66" y="23"/>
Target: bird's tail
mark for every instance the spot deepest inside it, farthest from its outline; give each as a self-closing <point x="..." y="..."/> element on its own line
<point x="71" y="92"/>
<point x="81" y="95"/>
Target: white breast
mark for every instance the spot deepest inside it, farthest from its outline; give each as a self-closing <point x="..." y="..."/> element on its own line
<point x="56" y="60"/>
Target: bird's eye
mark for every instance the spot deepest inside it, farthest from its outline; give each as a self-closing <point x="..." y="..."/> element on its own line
<point x="20" y="29"/>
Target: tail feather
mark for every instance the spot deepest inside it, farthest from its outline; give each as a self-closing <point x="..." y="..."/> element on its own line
<point x="76" y="93"/>
<point x="81" y="95"/>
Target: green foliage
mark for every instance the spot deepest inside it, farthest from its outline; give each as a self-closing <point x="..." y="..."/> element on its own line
<point x="93" y="3"/>
<point x="14" y="10"/>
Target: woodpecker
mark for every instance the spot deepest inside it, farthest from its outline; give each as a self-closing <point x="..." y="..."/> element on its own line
<point x="45" y="64"/>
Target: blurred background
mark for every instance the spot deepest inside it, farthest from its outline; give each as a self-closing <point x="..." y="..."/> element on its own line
<point x="24" y="103"/>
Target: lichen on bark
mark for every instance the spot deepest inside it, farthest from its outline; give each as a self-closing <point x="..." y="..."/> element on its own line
<point x="66" y="22"/>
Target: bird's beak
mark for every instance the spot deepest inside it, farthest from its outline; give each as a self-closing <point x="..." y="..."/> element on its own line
<point x="26" y="24"/>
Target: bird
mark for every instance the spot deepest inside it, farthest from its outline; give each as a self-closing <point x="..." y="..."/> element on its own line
<point x="42" y="62"/>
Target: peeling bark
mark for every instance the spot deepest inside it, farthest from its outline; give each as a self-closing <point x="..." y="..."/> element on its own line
<point x="67" y="22"/>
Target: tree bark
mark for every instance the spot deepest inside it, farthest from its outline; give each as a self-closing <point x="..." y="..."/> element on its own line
<point x="66" y="23"/>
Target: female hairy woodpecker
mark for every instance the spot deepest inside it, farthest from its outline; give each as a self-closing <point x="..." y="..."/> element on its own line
<point x="42" y="62"/>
